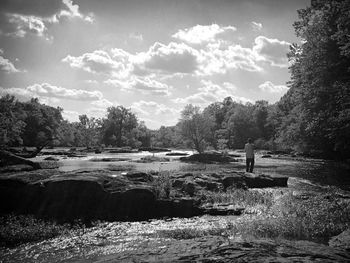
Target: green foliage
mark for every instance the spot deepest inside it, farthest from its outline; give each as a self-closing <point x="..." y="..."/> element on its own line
<point x="314" y="114"/>
<point x="11" y="121"/>
<point x="317" y="218"/>
<point x="195" y="126"/>
<point x="30" y="123"/>
<point x="241" y="198"/>
<point x="162" y="184"/>
<point x="16" y="230"/>
<point x="118" y="126"/>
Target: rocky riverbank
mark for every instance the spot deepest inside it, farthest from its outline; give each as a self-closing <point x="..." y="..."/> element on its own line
<point x="109" y="195"/>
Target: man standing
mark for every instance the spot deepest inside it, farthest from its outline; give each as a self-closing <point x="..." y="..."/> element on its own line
<point x="249" y="155"/>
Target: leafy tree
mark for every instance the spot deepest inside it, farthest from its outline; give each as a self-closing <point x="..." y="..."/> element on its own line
<point x="318" y="101"/>
<point x="118" y="125"/>
<point x="42" y="123"/>
<point x="195" y="127"/>
<point x="11" y="121"/>
<point x="89" y="129"/>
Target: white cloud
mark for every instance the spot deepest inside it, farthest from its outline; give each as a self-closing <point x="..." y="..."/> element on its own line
<point x="71" y="116"/>
<point x="6" y="65"/>
<point x="268" y="86"/>
<point x="168" y="59"/>
<point x="273" y="51"/>
<point x="102" y="103"/>
<point x="72" y="11"/>
<point x="47" y="91"/>
<point x="21" y="17"/>
<point x="220" y="58"/>
<point x="199" y="34"/>
<point x="144" y="85"/>
<point x="256" y="26"/>
<point x="155" y="114"/>
<point x="99" y="62"/>
<point x="210" y="92"/>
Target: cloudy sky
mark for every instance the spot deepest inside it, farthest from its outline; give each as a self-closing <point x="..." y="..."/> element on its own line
<point x="151" y="56"/>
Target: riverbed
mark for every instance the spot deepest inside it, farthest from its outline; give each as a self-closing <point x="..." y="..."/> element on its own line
<point x="169" y="239"/>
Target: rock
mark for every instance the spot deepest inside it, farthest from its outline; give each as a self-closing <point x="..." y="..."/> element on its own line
<point x="16" y="168"/>
<point x="176" y="154"/>
<point x="50" y="158"/>
<point x="341" y="241"/>
<point x="269" y="251"/>
<point x="151" y="159"/>
<point x="254" y="181"/>
<point x="266" y="156"/>
<point x="89" y="195"/>
<point x="139" y="177"/>
<point x="189" y="188"/>
<point x="222" y="209"/>
<point x="180" y="207"/>
<point x="208" y="158"/>
<point x="109" y="159"/>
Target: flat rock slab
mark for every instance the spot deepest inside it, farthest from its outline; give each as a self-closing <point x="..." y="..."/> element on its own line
<point x="249" y="180"/>
<point x="210" y="249"/>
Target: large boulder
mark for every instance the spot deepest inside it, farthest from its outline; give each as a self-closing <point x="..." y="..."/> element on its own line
<point x="249" y="180"/>
<point x="341" y="241"/>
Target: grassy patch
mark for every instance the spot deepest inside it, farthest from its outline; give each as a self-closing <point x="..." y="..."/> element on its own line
<point x="251" y="200"/>
<point x="162" y="184"/>
<point x="318" y="218"/>
<point x="16" y="230"/>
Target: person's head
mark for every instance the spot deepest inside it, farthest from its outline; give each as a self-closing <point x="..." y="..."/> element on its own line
<point x="249" y="140"/>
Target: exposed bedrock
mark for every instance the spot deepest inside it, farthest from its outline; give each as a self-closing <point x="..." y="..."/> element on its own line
<point x="100" y="195"/>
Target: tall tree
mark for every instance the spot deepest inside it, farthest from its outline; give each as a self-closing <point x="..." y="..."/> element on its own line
<point x="320" y="84"/>
<point x="11" y="121"/>
<point x="195" y="126"/>
<point x="118" y="125"/>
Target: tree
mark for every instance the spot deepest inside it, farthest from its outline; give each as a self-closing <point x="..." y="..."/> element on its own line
<point x="118" y="125"/>
<point x="89" y="129"/>
<point x="319" y="114"/>
<point x="42" y="123"/>
<point x="195" y="126"/>
<point x="11" y="121"/>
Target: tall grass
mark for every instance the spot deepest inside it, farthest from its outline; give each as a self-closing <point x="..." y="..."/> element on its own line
<point x="162" y="184"/>
<point x="251" y="200"/>
<point x="317" y="218"/>
<point x="19" y="229"/>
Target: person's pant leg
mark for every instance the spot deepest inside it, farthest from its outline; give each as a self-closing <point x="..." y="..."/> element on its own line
<point x="251" y="165"/>
<point x="247" y="162"/>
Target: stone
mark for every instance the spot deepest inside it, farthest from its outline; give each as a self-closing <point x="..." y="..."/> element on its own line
<point x="249" y="180"/>
<point x="208" y="158"/>
<point x="341" y="241"/>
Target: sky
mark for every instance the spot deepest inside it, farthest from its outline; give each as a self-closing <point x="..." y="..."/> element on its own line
<point x="151" y="56"/>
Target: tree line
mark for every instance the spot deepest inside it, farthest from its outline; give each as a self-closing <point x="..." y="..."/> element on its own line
<point x="312" y="117"/>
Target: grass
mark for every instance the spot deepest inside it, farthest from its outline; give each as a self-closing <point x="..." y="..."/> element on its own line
<point x="162" y="184"/>
<point x="242" y="198"/>
<point x="286" y="216"/>
<point x="18" y="229"/>
<point x="317" y="218"/>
